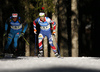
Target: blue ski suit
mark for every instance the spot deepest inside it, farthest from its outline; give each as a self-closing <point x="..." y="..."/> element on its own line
<point x="45" y="30"/>
<point x="15" y="30"/>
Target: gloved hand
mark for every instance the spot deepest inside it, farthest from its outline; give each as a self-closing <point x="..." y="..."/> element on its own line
<point x="22" y="34"/>
<point x="5" y="33"/>
<point x="35" y="31"/>
<point x="54" y="33"/>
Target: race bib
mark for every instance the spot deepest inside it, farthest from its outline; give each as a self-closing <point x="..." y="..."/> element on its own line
<point x="45" y="27"/>
<point x="16" y="27"/>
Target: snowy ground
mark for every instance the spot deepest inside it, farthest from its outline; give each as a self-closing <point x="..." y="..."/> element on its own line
<point x="50" y="64"/>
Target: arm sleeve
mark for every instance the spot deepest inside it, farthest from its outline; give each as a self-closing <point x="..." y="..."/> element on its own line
<point x="54" y="24"/>
<point x="25" y="25"/>
<point x="34" y="24"/>
<point x="6" y="24"/>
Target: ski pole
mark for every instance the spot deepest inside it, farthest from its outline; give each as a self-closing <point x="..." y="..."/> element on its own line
<point x="26" y="40"/>
<point x="57" y="44"/>
<point x="35" y="43"/>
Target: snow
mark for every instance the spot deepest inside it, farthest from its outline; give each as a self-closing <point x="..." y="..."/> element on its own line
<point x="50" y="64"/>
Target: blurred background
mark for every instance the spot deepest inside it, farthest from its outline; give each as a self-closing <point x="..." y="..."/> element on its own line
<point x="77" y="21"/>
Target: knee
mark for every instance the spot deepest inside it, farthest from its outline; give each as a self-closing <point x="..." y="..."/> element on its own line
<point x="15" y="39"/>
<point x="15" y="42"/>
<point x="9" y="40"/>
<point x="40" y="38"/>
<point x="51" y="43"/>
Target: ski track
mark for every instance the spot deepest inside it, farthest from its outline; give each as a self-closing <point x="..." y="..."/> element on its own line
<point x="50" y="64"/>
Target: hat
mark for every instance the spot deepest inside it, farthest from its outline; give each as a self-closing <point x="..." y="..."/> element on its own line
<point x="14" y="14"/>
<point x="41" y="14"/>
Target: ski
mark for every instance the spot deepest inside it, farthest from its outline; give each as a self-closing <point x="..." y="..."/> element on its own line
<point x="7" y="56"/>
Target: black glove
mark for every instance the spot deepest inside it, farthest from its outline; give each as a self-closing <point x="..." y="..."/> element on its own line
<point x="5" y="33"/>
<point x="22" y="34"/>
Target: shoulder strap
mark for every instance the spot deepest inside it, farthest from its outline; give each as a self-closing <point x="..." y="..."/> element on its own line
<point x="19" y="19"/>
<point x="10" y="18"/>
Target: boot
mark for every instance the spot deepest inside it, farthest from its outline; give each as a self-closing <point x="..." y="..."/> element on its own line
<point x="40" y="53"/>
<point x="15" y="53"/>
<point x="57" y="55"/>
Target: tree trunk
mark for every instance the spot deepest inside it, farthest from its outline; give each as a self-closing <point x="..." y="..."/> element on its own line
<point x="45" y="42"/>
<point x="63" y="34"/>
<point x="74" y="28"/>
<point x="1" y="37"/>
<point x="55" y="19"/>
<point x="27" y="48"/>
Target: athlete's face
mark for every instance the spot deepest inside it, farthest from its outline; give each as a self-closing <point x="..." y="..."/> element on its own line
<point x="14" y="19"/>
<point x="42" y="18"/>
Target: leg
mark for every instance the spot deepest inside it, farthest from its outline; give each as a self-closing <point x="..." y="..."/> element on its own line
<point x="40" y="39"/>
<point x="53" y="47"/>
<point x="15" y="44"/>
<point x="51" y="43"/>
<point x="15" y="40"/>
<point x="10" y="37"/>
<point x="49" y="35"/>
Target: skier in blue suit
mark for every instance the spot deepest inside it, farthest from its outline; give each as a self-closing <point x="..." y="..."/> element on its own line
<point x="15" y="22"/>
